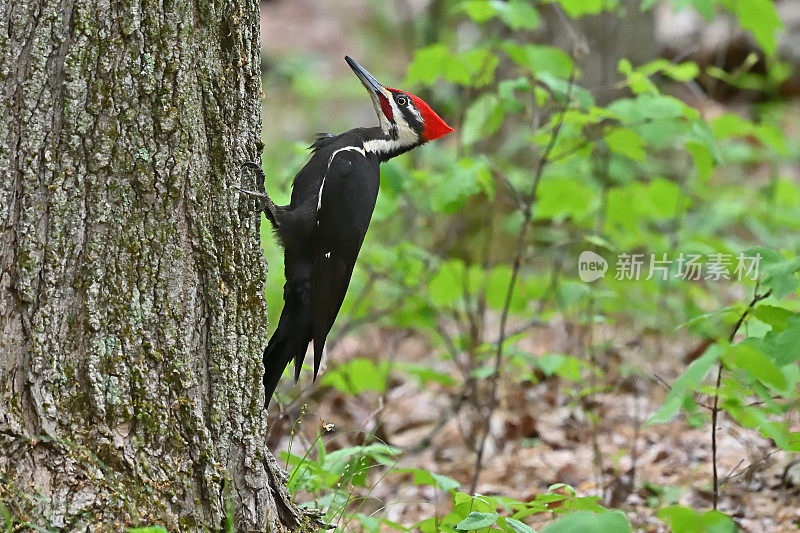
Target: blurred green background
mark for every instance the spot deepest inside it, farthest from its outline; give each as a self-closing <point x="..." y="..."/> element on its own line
<point x="661" y="128"/>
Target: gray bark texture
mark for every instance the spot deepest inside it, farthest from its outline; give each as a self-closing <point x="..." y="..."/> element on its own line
<point x="132" y="316"/>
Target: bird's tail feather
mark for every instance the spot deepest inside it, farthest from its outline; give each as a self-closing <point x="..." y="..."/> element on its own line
<point x="276" y="357"/>
<point x="289" y="341"/>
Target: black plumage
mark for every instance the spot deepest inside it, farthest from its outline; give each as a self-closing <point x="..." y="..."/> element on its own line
<point x="321" y="234"/>
<point x="324" y="225"/>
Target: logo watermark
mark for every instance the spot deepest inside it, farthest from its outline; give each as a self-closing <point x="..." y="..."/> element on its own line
<point x="591" y="266"/>
<point x="635" y="267"/>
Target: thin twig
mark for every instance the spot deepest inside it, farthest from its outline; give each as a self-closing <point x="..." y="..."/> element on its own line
<point x="715" y="407"/>
<point x="519" y="247"/>
<point x="734" y="474"/>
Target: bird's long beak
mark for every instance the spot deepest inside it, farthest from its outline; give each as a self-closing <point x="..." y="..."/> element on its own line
<point x="367" y="79"/>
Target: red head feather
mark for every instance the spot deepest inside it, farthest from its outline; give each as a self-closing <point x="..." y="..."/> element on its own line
<point x="435" y="127"/>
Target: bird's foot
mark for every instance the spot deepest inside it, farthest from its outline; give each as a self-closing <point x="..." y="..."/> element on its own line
<point x="253" y="193"/>
<point x="265" y="203"/>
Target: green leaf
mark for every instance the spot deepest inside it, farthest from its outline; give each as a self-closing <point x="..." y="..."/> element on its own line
<point x="578" y="8"/>
<point x="423" y="477"/>
<point x="451" y="188"/>
<point x="685" y="385"/>
<point x="507" y="90"/>
<point x="745" y="356"/>
<point x="648" y="106"/>
<point x="473" y="68"/>
<point x="680" y="71"/>
<point x="550" y="362"/>
<point x="433" y="524"/>
<point x="464" y="504"/>
<point x="638" y="81"/>
<point x="518" y="14"/>
<point x="686" y="520"/>
<point x="663" y="197"/>
<point x="786" y="193"/>
<point x="626" y="142"/>
<point x="704" y="7"/>
<point x="480" y="64"/>
<point x="516" y="526"/>
<point x="563" y="366"/>
<point x="148" y="529"/>
<point x="703" y="160"/>
<point x="631" y="207"/>
<point x="781" y="276"/>
<point x="477" y="520"/>
<point x="357" y="376"/>
<point x="378" y="451"/>
<point x="776" y="317"/>
<point x="479" y="10"/>
<point x="482" y="119"/>
<point x="562" y="89"/>
<point x="729" y="125"/>
<point x="561" y="197"/>
<point x="731" y="309"/>
<point x="783" y="346"/>
<point x="588" y="522"/>
<point x="369" y="523"/>
<point x="760" y="18"/>
<point x="538" y="59"/>
<point x="497" y="289"/>
<point x="446" y="287"/>
<point x="433" y="61"/>
<point x="426" y="374"/>
<point x="677" y="71"/>
<point x="585" y="503"/>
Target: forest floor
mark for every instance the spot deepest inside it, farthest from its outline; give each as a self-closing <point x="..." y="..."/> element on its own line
<point x="543" y="434"/>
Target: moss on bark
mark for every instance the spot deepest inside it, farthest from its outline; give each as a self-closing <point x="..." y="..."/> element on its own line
<point x="132" y="315"/>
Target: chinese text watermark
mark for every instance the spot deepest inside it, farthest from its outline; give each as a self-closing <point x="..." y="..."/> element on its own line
<point x="640" y="266"/>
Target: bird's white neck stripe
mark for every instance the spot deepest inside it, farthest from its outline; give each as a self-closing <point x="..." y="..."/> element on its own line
<point x="353" y="148"/>
<point x="383" y="146"/>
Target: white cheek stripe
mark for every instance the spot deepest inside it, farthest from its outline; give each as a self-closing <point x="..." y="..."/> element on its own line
<point x="382" y="146"/>
<point x="322" y="185"/>
<point x="416" y="112"/>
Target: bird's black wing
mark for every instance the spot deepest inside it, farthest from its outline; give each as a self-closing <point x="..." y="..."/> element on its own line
<point x="345" y="204"/>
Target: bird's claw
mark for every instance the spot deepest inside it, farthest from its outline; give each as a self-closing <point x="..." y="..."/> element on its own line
<point x="252" y="193"/>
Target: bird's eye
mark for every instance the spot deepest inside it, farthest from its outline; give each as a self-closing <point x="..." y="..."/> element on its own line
<point x="402" y="100"/>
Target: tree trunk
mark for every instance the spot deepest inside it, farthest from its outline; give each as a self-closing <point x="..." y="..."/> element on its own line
<point x="132" y="316"/>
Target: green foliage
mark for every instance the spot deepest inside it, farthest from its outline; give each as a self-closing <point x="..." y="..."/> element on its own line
<point x="473" y="68"/>
<point x="642" y="173"/>
<point x="759" y="17"/>
<point x="476" y="520"/>
<point x="684" y="386"/>
<point x="517" y="14"/>
<point x="333" y="469"/>
<point x="612" y="522"/>
<point x="357" y="376"/>
<point x="423" y="477"/>
<point x="578" y="8"/>
<point x="686" y="520"/>
<point x="474" y="512"/>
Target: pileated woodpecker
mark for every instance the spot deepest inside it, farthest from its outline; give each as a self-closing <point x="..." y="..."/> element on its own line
<point x="323" y="227"/>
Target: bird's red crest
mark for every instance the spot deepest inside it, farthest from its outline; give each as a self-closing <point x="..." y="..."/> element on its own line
<point x="435" y="126"/>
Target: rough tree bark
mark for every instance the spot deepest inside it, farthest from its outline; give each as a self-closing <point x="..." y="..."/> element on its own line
<point x="131" y="280"/>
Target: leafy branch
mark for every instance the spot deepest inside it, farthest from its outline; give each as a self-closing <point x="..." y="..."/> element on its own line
<point x="527" y="209"/>
<point x="715" y="407"/>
